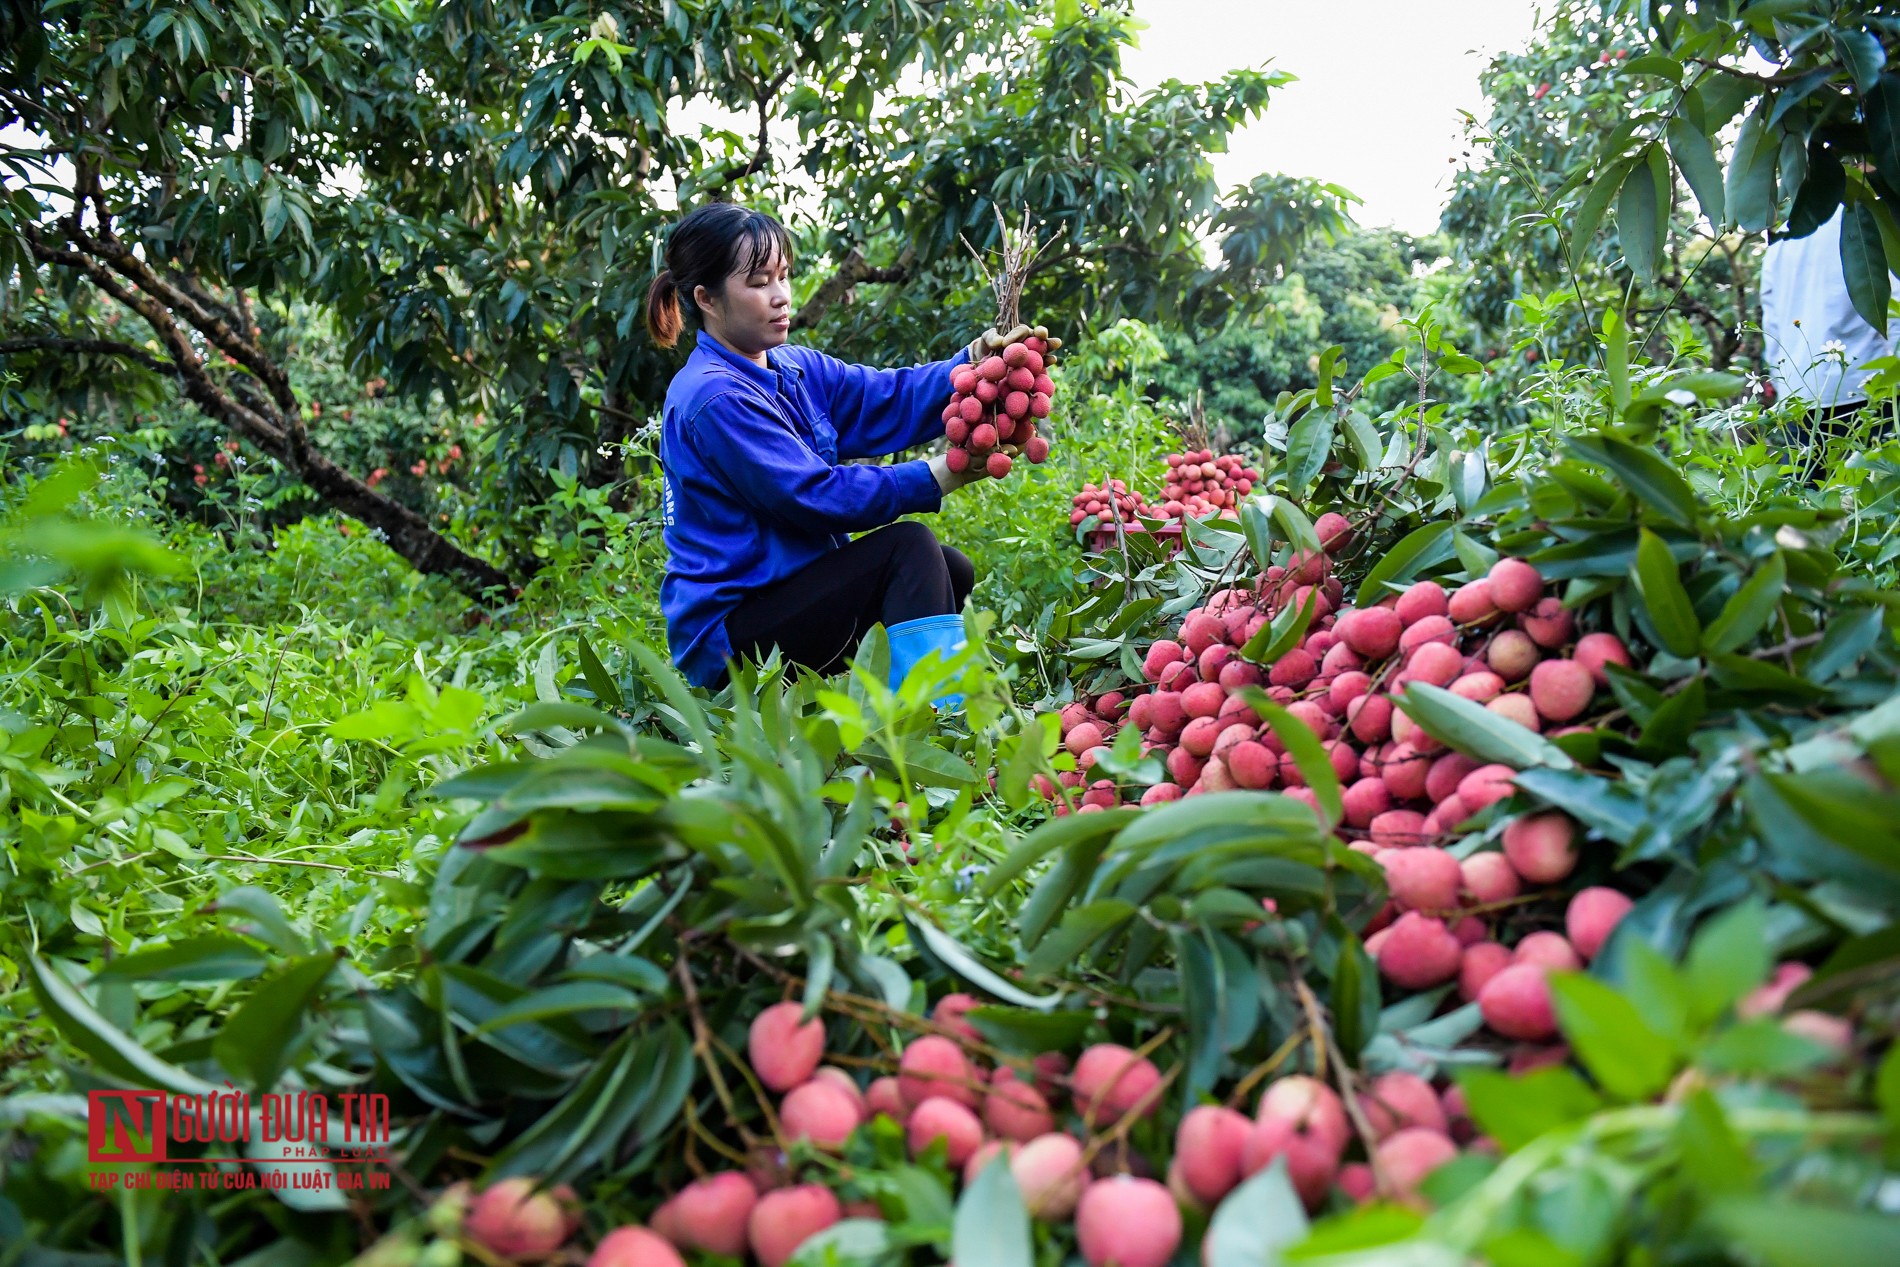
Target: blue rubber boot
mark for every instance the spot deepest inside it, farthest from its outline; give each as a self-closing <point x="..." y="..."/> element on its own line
<point x="912" y="640"/>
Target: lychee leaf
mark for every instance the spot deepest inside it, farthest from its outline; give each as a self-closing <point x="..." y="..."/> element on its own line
<point x="1256" y="1221"/>
<point x="1414" y="552"/>
<point x="1514" y="1110"/>
<point x="1281" y="634"/>
<point x="1626" y="1057"/>
<point x="992" y="1223"/>
<point x="1665" y="601"/>
<point x="1476" y="731"/>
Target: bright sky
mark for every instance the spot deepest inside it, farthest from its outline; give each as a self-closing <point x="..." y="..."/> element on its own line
<point x="1380" y="86"/>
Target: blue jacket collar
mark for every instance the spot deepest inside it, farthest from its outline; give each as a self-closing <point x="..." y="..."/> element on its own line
<point x="764" y="377"/>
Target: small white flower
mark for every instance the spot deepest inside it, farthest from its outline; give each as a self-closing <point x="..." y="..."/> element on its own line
<point x="1680" y="396"/>
<point x="1834" y="347"/>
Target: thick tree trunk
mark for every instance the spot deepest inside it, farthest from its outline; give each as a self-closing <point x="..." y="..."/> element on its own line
<point x="272" y="422"/>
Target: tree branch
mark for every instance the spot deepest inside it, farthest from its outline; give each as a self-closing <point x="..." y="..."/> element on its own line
<point x="852" y="270"/>
<point x="272" y="424"/>
<point x="762" y="156"/>
<point x="102" y="347"/>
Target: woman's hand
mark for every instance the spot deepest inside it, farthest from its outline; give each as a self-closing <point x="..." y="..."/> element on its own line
<point x="949" y="481"/>
<point x="992" y="341"/>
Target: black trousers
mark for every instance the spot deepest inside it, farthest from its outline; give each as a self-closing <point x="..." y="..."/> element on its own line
<point x="817" y="615"/>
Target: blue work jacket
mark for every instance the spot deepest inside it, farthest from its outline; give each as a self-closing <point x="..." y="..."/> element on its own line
<point x="752" y="488"/>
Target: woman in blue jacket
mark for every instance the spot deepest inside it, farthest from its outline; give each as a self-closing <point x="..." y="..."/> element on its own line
<point x="756" y="500"/>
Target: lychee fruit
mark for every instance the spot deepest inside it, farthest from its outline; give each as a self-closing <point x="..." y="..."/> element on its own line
<point x="941" y="1118"/>
<point x="1015" y="1109"/>
<point x="787" y="1218"/>
<point x="1419" y="952"/>
<point x="1109" y="1080"/>
<point x="1207" y="1150"/>
<point x="514" y="1220"/>
<point x="1400" y="1100"/>
<point x="1422" y="599"/>
<point x="1049" y="1172"/>
<point x="819" y="1111"/>
<point x="1561" y="689"/>
<point x="1548" y="623"/>
<point x="1594" y="650"/>
<point x="1592" y="915"/>
<point x="1406" y="1158"/>
<point x="936" y="1066"/>
<point x="1516" y="1003"/>
<point x="1542" y="848"/>
<point x="634" y="1247"/>
<point x="1123" y="1221"/>
<point x="1512" y="655"/>
<point x="1548" y="950"/>
<point x="1422" y="878"/>
<point x="784" y="1051"/>
<point x="1489" y="877"/>
<point x="1373" y="632"/>
<point x="1482" y="961"/>
<point x="1515" y="585"/>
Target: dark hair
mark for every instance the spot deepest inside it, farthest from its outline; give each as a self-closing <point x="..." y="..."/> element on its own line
<point x="708" y="246"/>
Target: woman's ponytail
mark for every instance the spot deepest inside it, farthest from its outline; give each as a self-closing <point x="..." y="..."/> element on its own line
<point x="663" y="310"/>
<point x="711" y="244"/>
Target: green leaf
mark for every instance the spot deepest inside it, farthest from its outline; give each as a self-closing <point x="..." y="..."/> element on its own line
<point x="1783" y="1233"/>
<point x="1748" y="609"/>
<point x="1714" y="1158"/>
<point x="1281" y="634"/>
<point x="1255" y="1221"/>
<point x="1761" y="1049"/>
<point x="1881" y="107"/>
<point x="1079" y="930"/>
<point x="1729" y="957"/>
<point x="115" y="1051"/>
<point x="562" y="1000"/>
<point x="271" y="926"/>
<point x="189" y="959"/>
<point x="846" y="1243"/>
<point x="1750" y="189"/>
<point x="1410" y="553"/>
<point x="549" y="715"/>
<point x="1309" y="755"/>
<point x="1626" y="1057"/>
<point x="599" y="681"/>
<point x="1616" y="357"/>
<point x="1596" y="802"/>
<point x="1887" y="1087"/>
<point x="1293" y="525"/>
<point x="1654" y="483"/>
<point x="1355" y="994"/>
<point x="1478" y="732"/>
<point x="1583" y="226"/>
<point x="1516" y="1110"/>
<point x="1056" y="834"/>
<point x="1307" y="444"/>
<point x="1864" y="263"/>
<point x="1639" y="221"/>
<point x="256" y="1042"/>
<point x="1028" y="1032"/>
<point x="1323" y="386"/>
<point x="1659" y="581"/>
<point x="1863" y="56"/>
<point x="992" y="1224"/>
<point x="956" y="959"/>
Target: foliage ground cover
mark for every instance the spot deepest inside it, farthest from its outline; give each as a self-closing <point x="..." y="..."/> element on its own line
<point x="808" y="972"/>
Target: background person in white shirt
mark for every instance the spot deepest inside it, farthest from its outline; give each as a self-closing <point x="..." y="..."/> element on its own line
<point x="1813" y="340"/>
